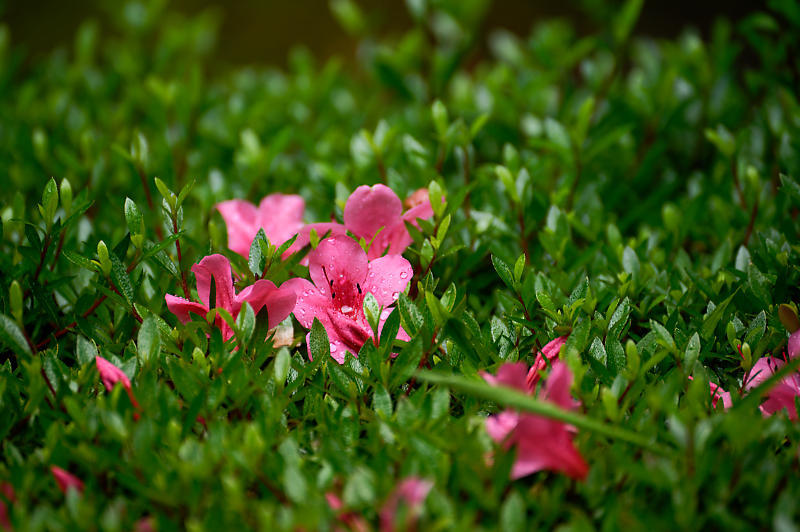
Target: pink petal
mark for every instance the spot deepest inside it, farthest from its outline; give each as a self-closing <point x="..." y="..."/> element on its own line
<point x="549" y="352"/>
<point x="218" y="267"/>
<point x="324" y="230"/>
<point x="422" y="210"/>
<point x="281" y="216"/>
<point x="338" y="265"/>
<point x="111" y="374"/>
<point x="66" y="480"/>
<point x="369" y="209"/>
<point x="310" y="303"/>
<point x="387" y="277"/>
<point x="717" y="393"/>
<point x="280" y="302"/>
<point x="545" y="444"/>
<point x="500" y="426"/>
<point x="412" y="491"/>
<point x="510" y="374"/>
<point x="241" y="218"/>
<point x="761" y="371"/>
<point x="183" y="307"/>
<point x="419" y="197"/>
<point x="794" y="344"/>
<point x="558" y="384"/>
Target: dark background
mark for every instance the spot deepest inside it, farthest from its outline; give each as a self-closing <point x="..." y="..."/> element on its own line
<point x="261" y="32"/>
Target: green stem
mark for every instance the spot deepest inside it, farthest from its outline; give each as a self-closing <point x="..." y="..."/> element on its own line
<point x="510" y="397"/>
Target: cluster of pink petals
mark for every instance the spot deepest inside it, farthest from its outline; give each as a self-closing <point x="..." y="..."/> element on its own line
<point x="342" y="276"/>
<point x="782" y="395"/>
<point x="541" y="443"/>
<point x="373" y="213"/>
<point x="279" y="302"/>
<point x="279" y="215"/>
<point x="412" y="492"/>
<point x="66" y="480"/>
<point x="717" y="393"/>
<point x="111" y="375"/>
<point x="544" y="357"/>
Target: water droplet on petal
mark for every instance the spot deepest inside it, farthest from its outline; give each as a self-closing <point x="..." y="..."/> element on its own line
<point x="404" y="275"/>
<point x="333" y="348"/>
<point x="395" y="295"/>
<point x="346" y="309"/>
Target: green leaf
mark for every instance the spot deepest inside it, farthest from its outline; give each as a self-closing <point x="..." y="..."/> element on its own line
<point x="149" y="340"/>
<point x="504" y="271"/>
<point x="85" y="350"/>
<point x="12" y="336"/>
<point x="318" y="342"/>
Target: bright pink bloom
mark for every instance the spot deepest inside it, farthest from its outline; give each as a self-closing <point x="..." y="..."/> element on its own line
<point x="783" y="394"/>
<point x="541" y="443"/>
<point x="279" y="215"/>
<point x="548" y="353"/>
<point x="6" y="495"/>
<point x="263" y="293"/>
<point x="717" y="393"/>
<point x="66" y="480"/>
<point x="378" y="211"/>
<point x="342" y="276"/>
<point x="411" y="491"/>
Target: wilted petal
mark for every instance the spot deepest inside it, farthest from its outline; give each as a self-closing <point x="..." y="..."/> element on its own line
<point x="66" y="480"/>
<point x="183" y="307"/>
<point x="387" y="277"/>
<point x="337" y="266"/>
<point x="241" y="219"/>
<point x="111" y="374"/>
<point x="218" y="267"/>
<point x="369" y="209"/>
<point x="280" y="302"/>
<point x="281" y="216"/>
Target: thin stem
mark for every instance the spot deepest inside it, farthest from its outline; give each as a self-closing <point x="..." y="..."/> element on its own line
<point x="512" y="398"/>
<point x="180" y="258"/>
<point x="72" y="325"/>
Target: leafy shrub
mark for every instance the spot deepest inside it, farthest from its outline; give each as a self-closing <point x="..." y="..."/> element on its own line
<point x="636" y="195"/>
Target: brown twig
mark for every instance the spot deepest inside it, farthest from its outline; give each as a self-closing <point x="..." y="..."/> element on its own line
<point x="72" y="325"/>
<point x="180" y="258"/>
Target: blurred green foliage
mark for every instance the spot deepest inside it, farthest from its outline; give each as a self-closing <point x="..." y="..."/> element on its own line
<point x="638" y="194"/>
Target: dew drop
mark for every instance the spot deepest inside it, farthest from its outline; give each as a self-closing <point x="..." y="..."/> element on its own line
<point x="404" y="275"/>
<point x="395" y="295"/>
<point x="347" y="309"/>
<point x="333" y="348"/>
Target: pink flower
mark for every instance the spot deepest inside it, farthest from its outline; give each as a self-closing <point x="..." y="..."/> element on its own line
<point x="111" y="375"/>
<point x="542" y="443"/>
<point x="717" y="393"/>
<point x="781" y="395"/>
<point x="550" y="352"/>
<point x="342" y="276"/>
<point x="279" y="215"/>
<point x="279" y="302"/>
<point x="378" y="211"/>
<point x="412" y="491"/>
<point x="66" y="480"/>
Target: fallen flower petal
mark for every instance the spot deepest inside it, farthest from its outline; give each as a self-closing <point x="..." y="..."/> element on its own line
<point x="541" y="443"/>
